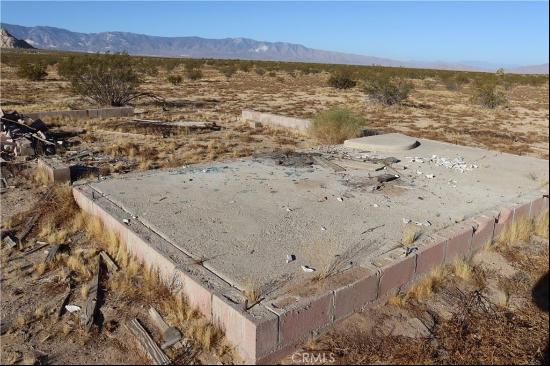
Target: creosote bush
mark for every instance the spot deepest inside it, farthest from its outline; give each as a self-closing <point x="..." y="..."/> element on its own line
<point x="342" y="80"/>
<point x="388" y="91"/>
<point x="487" y="95"/>
<point x="336" y="125"/>
<point x="108" y="79"/>
<point x="32" y="71"/>
<point x="193" y="74"/>
<point x="174" y="79"/>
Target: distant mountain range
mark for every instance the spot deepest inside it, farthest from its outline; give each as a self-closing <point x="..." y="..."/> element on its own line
<point x="227" y="48"/>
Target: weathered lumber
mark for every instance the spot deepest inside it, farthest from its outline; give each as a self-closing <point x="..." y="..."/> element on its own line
<point x="109" y="262"/>
<point x="170" y="335"/>
<point x="91" y="303"/>
<point x="65" y="300"/>
<point x="52" y="252"/>
<point x="147" y="343"/>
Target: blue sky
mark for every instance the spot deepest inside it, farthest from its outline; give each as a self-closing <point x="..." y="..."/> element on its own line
<point x="497" y="32"/>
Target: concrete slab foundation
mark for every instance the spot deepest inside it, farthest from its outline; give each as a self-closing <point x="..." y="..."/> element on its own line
<point x="218" y="230"/>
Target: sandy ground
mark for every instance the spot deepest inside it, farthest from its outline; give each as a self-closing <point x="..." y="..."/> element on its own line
<point x="521" y="127"/>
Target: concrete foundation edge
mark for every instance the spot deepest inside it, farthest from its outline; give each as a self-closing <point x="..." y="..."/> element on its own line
<point x="262" y="336"/>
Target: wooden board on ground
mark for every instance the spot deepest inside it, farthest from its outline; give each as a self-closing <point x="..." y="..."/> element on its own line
<point x="147" y="343"/>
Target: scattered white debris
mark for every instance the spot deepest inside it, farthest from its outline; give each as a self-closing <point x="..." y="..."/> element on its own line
<point x="418" y="172"/>
<point x="72" y="308"/>
<point x="323" y="228"/>
<point x="375" y="205"/>
<point x="290" y="258"/>
<point x="407" y="221"/>
<point x="126" y="221"/>
<point x="340" y="199"/>
<point x="288" y="209"/>
<point x="430" y="176"/>
<point x="456" y="164"/>
<point x="308" y="269"/>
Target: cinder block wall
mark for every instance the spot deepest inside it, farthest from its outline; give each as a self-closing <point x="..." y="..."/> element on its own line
<point x="263" y="335"/>
<point x="276" y="120"/>
<point x="85" y="113"/>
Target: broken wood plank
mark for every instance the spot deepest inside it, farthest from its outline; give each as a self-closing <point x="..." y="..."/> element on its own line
<point x="170" y="335"/>
<point x="66" y="297"/>
<point x="147" y="343"/>
<point x="109" y="262"/>
<point x="9" y="242"/>
<point x="91" y="303"/>
<point x="328" y="164"/>
<point x="52" y="252"/>
<point x="42" y="246"/>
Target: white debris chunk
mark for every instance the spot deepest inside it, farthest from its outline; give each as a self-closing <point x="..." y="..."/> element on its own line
<point x="126" y="221"/>
<point x="308" y="269"/>
<point x="72" y="308"/>
<point x="290" y="258"/>
<point x="407" y="221"/>
<point x="430" y="176"/>
<point x="375" y="205"/>
<point x="323" y="228"/>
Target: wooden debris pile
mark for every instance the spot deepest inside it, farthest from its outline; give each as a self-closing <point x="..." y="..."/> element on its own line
<point x="23" y="136"/>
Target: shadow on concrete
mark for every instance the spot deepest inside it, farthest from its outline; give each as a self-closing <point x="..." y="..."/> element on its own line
<point x="540" y="294"/>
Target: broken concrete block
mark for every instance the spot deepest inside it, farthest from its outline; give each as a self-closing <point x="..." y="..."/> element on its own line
<point x="57" y="171"/>
<point x="23" y="147"/>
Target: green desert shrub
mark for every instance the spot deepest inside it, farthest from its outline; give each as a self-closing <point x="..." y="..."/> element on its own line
<point x="342" y="80"/>
<point x="488" y="95"/>
<point x="336" y="125"/>
<point x="32" y="71"/>
<point x="174" y="79"/>
<point x="108" y="79"/>
<point x="386" y="90"/>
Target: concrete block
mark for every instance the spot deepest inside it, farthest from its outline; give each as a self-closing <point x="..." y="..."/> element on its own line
<point x="538" y="206"/>
<point x="351" y="298"/>
<point x="430" y="255"/>
<point x="522" y="210"/>
<point x="395" y="271"/>
<point x="503" y="219"/>
<point x="459" y="241"/>
<point x="304" y="318"/>
<point x="484" y="228"/>
<point x="254" y="333"/>
<point x="273" y="119"/>
<point x="57" y="171"/>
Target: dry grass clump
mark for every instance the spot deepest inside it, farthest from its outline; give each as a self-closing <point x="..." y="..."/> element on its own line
<point x="336" y="125"/>
<point x="40" y="177"/>
<point x="461" y="269"/>
<point x="541" y="225"/>
<point x="519" y="230"/>
<point x="410" y="235"/>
